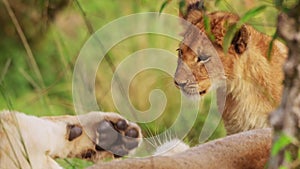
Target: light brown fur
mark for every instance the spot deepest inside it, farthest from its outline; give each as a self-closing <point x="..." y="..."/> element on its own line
<point x="254" y="83"/>
<point x="251" y="151"/>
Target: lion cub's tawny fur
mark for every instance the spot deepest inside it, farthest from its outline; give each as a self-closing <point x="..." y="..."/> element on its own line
<point x="254" y="81"/>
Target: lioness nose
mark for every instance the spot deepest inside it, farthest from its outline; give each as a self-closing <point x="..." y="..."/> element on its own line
<point x="179" y="84"/>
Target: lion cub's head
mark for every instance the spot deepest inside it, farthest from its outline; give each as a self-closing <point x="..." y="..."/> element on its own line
<point x="197" y="53"/>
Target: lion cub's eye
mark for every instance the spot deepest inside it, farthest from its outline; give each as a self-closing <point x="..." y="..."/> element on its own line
<point x="179" y="52"/>
<point x="203" y="58"/>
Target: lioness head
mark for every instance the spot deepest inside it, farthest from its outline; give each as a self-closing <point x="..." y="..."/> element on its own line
<point x="197" y="53"/>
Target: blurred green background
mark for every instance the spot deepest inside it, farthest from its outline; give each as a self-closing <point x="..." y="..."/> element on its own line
<point x="36" y="70"/>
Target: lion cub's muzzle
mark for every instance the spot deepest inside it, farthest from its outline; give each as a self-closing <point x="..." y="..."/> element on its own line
<point x="190" y="89"/>
<point x="185" y="80"/>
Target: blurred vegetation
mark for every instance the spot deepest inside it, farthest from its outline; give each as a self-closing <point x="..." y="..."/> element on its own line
<point x="41" y="83"/>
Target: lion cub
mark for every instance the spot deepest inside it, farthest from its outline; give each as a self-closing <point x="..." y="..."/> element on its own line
<point x="253" y="81"/>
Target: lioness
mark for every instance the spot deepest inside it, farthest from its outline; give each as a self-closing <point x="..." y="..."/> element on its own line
<point x="29" y="142"/>
<point x="254" y="81"/>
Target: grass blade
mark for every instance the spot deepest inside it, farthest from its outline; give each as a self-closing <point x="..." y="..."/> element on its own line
<point x="6" y="97"/>
<point x="229" y="36"/>
<point x="4" y="70"/>
<point x="164" y="4"/>
<point x="26" y="45"/>
<point x="208" y="28"/>
<point x="274" y="37"/>
<point x="250" y="14"/>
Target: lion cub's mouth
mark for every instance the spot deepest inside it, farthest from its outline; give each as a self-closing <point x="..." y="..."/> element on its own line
<point x="191" y="90"/>
<point x="194" y="93"/>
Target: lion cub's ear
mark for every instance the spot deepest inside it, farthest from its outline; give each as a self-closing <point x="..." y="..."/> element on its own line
<point x="192" y="11"/>
<point x="240" y="41"/>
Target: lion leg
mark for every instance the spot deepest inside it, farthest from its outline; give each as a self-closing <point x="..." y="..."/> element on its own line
<point x="92" y="136"/>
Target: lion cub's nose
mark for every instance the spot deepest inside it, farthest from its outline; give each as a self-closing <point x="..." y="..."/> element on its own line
<point x="180" y="84"/>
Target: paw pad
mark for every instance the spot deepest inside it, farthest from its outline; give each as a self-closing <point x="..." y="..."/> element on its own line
<point x="119" y="137"/>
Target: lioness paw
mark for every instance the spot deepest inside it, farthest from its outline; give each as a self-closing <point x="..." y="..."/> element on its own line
<point x="117" y="136"/>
